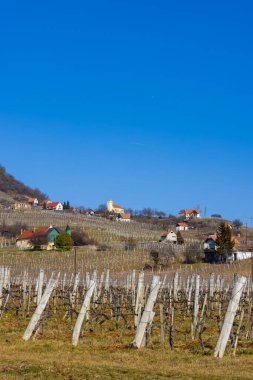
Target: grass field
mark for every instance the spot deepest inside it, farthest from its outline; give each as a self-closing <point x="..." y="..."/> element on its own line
<point x="104" y="358"/>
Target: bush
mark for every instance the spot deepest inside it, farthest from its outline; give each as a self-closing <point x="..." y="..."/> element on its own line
<point x="13" y="230"/>
<point x="63" y="242"/>
<point x="193" y="253"/>
<point x="81" y="238"/>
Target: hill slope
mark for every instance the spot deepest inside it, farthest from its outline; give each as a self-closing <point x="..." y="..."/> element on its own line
<point x="11" y="189"/>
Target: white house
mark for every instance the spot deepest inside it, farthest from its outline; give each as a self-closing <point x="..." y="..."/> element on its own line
<point x="55" y="206"/>
<point x="182" y="226"/>
<point x="242" y="255"/>
<point x="189" y="213"/>
<point x="169" y="236"/>
<point x="124" y="218"/>
<point x="210" y="244"/>
<point x="33" y="201"/>
<point x="88" y="212"/>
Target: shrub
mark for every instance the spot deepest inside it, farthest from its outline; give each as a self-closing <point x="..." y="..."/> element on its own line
<point x="63" y="242"/>
<point x="10" y="231"/>
<point x="193" y="253"/>
<point x="81" y="238"/>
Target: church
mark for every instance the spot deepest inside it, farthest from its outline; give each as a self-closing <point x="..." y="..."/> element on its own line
<point x="116" y="209"/>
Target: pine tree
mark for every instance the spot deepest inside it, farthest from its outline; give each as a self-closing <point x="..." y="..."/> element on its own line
<point x="224" y="241"/>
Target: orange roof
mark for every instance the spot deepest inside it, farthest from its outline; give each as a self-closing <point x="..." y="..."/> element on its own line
<point x="28" y="234"/>
<point x="45" y="201"/>
<point x="189" y="211"/>
<point x="126" y="216"/>
<point x="117" y="206"/>
<point x="52" y="204"/>
<point x="182" y="224"/>
<point x="31" y="200"/>
<point x="214" y="237"/>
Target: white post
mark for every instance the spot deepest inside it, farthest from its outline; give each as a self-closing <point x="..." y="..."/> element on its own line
<point x="40" y="308"/>
<point x="1" y="285"/>
<point x="229" y="317"/>
<point x="74" y="291"/>
<point x="195" y="306"/>
<point x="139" y="297"/>
<point x="148" y="314"/>
<point x="211" y="285"/>
<point x="40" y="286"/>
<point x="107" y="280"/>
<point x="175" y="286"/>
<point x="82" y="312"/>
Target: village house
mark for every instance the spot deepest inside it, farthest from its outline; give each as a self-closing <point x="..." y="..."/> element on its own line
<point x="33" y="201"/>
<point x="21" y="206"/>
<point x="45" y="202"/>
<point x="210" y="247"/>
<point x="169" y="236"/>
<point x="55" y="206"/>
<point x="182" y="226"/>
<point x="209" y="244"/>
<point x="124" y="218"/>
<point x="116" y="209"/>
<point x="40" y="238"/>
<point x="88" y="212"/>
<point x="189" y="213"/>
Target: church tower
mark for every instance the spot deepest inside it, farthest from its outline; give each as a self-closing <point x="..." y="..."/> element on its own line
<point x="110" y="205"/>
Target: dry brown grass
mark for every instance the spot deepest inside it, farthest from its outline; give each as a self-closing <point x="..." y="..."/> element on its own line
<point x="108" y="357"/>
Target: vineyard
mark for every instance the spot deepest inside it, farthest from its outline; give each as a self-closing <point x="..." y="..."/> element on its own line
<point x="106" y="314"/>
<point x="192" y="311"/>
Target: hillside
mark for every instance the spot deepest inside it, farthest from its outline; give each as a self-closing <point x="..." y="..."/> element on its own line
<point x="11" y="189"/>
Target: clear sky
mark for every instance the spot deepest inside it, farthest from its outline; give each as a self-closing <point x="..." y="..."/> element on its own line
<point x="147" y="102"/>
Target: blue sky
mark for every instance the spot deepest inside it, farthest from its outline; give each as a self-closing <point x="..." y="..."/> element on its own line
<point x="147" y="102"/>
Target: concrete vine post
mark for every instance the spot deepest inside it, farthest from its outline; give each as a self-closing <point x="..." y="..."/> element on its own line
<point x="40" y="286"/>
<point x="239" y="284"/>
<point x="32" y="326"/>
<point x="195" y="306"/>
<point x="148" y="314"/>
<point x="82" y="313"/>
<point x="139" y="298"/>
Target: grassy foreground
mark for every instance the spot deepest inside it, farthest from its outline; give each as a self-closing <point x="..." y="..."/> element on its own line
<point x="102" y="359"/>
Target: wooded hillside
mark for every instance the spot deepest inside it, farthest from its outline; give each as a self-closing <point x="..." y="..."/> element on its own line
<point x="11" y="188"/>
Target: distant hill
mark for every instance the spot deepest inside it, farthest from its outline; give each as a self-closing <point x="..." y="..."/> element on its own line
<point x="13" y="190"/>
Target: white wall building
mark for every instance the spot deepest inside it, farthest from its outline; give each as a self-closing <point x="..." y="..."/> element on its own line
<point x="169" y="236"/>
<point x="182" y="227"/>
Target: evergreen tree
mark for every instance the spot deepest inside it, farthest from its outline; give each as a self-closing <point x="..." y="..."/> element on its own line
<point x="224" y="241"/>
<point x="63" y="242"/>
<point x="66" y="205"/>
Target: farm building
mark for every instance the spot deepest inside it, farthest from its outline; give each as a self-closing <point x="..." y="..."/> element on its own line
<point x="124" y="218"/>
<point x="169" y="236"/>
<point x="88" y="212"/>
<point x="42" y="238"/>
<point x="189" y="213"/>
<point x="210" y="248"/>
<point x="45" y="202"/>
<point x="21" y="206"/>
<point x="116" y="209"/>
<point x="55" y="206"/>
<point x="182" y="226"/>
<point x="33" y="201"/>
